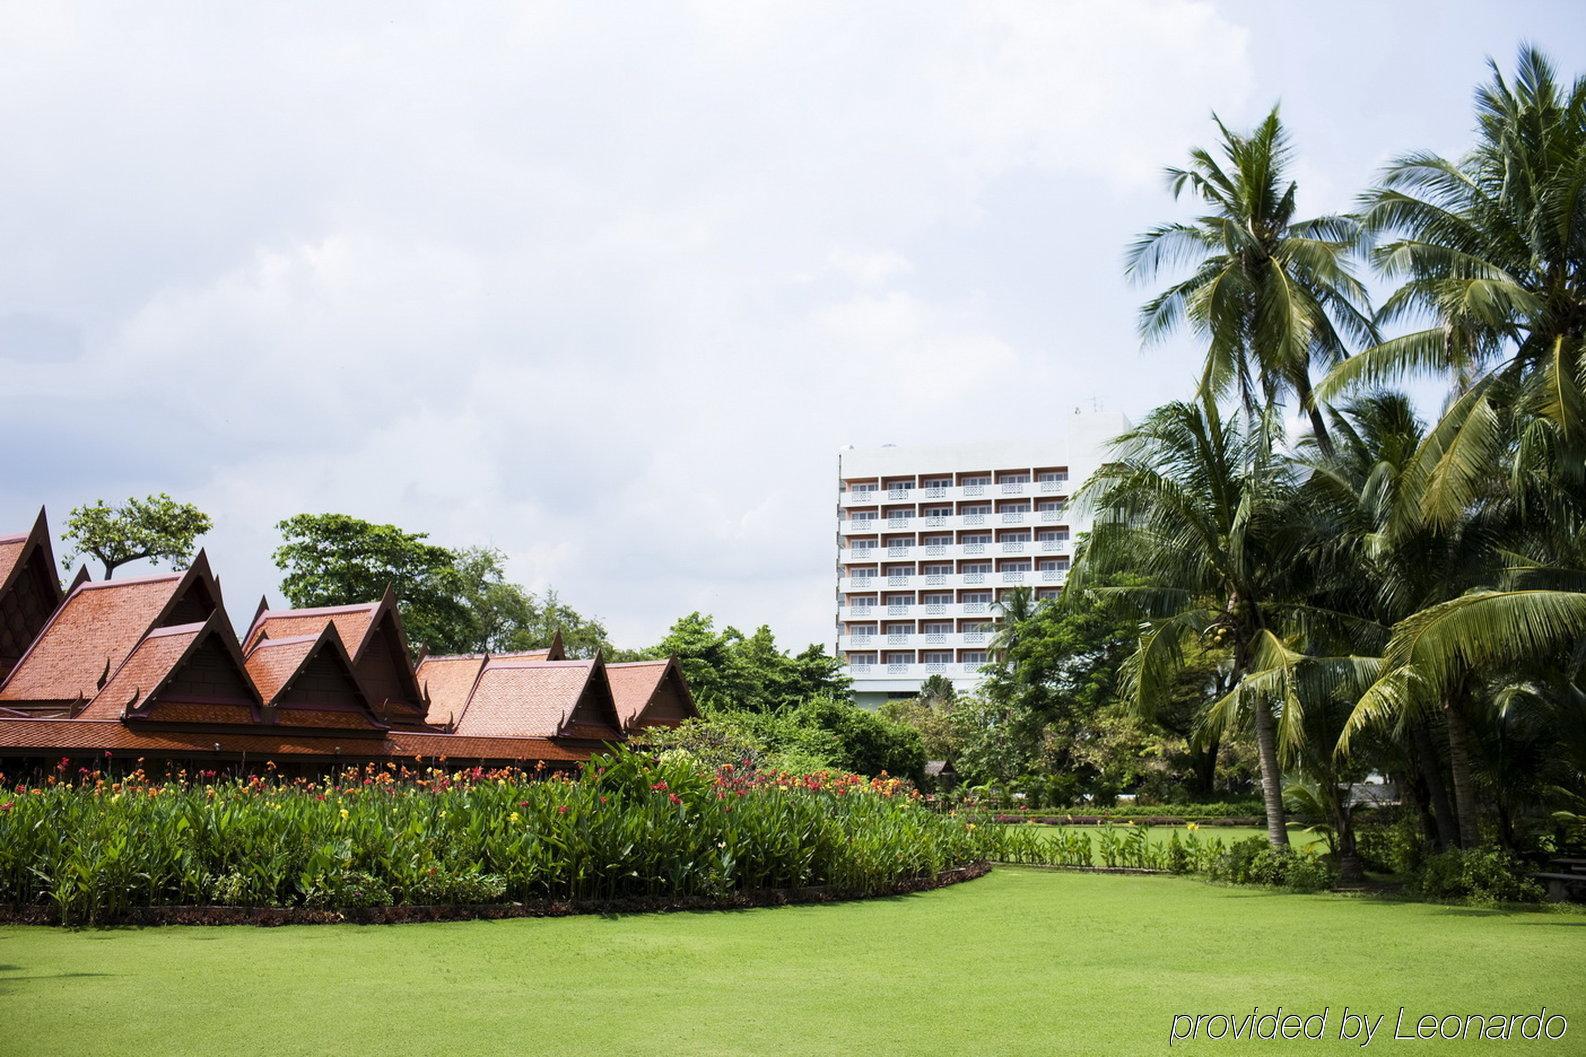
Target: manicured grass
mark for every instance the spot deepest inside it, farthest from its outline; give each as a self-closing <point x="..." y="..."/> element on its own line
<point x="1022" y="962"/>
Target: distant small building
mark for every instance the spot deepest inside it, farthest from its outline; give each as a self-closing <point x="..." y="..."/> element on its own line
<point x="941" y="774"/>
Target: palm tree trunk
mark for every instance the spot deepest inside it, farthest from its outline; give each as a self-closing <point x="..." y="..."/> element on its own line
<point x="1206" y="766"/>
<point x="1460" y="771"/>
<point x="1350" y="869"/>
<point x="1426" y="761"/>
<point x="1271" y="776"/>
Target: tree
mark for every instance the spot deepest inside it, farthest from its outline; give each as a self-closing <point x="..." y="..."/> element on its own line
<point x="337" y="559"/>
<point x="1489" y="251"/>
<point x="503" y="613"/>
<point x="1272" y="295"/>
<point x="157" y="528"/>
<point x="1197" y="508"/>
<point x="730" y="670"/>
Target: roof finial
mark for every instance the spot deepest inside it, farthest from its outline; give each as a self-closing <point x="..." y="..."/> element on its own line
<point x="104" y="676"/>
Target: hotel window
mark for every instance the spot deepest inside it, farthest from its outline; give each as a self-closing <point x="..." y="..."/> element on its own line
<point x="938" y="629"/>
<point x="903" y="657"/>
<point x="973" y="657"/>
<point x="1052" y="476"/>
<point x="938" y="656"/>
<point x="977" y="597"/>
<point x="938" y="599"/>
<point x="1021" y="566"/>
<point x="977" y="479"/>
<point x="1049" y="504"/>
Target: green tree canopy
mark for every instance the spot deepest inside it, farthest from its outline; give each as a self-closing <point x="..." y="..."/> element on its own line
<point x="727" y="669"/>
<point x="156" y="528"/>
<point x="337" y="559"/>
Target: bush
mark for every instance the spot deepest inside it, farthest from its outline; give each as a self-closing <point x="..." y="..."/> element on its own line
<point x="628" y="826"/>
<point x="1396" y="847"/>
<point x="1255" y="861"/>
<point x="1482" y="876"/>
<point x="819" y="735"/>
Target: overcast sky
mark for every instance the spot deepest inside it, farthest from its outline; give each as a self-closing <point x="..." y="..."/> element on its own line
<point x="607" y="286"/>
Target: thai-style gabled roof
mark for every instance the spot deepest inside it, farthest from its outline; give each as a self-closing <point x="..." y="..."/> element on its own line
<point x="541" y="699"/>
<point x="189" y="673"/>
<point x="372" y="634"/>
<point x="93" y="631"/>
<point x="29" y="590"/>
<point x="309" y="681"/>
<point x="650" y="693"/>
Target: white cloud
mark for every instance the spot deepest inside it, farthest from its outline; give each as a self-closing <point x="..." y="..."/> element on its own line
<point x="606" y="288"/>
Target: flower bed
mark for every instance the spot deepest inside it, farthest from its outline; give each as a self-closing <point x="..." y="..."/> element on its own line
<point x="93" y="848"/>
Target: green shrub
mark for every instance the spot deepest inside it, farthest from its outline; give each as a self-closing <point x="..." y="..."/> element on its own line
<point x="1254" y="861"/>
<point x="1394" y="846"/>
<point x="1481" y="876"/>
<point x="628" y="826"/>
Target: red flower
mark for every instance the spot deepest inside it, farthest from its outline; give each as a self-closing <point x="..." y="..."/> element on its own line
<point x="561" y="809"/>
<point x="8" y="805"/>
<point x="674" y="798"/>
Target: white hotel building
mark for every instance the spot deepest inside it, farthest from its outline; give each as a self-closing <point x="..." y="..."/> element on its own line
<point x="930" y="537"/>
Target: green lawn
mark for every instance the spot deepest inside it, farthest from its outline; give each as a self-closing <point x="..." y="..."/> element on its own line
<point x="1021" y="962"/>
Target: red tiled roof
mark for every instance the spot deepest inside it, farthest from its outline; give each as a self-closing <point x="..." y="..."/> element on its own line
<point x="633" y="684"/>
<point x="45" y="737"/>
<point x="10" y="551"/>
<point x="150" y="662"/>
<point x="352" y="624"/>
<point x="538" y="699"/>
<point x="91" y="633"/>
<point x="448" y="681"/>
<point x="275" y="664"/>
<point x="272" y="662"/>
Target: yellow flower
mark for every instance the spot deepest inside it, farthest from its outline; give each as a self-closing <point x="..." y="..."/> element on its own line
<point x="969" y="826"/>
<point x="1192" y="826"/>
<point x="343" y="812"/>
<point x="513" y="817"/>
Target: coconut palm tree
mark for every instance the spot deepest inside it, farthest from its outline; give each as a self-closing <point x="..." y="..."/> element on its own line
<point x="1196" y="505"/>
<point x="1384" y="567"/>
<point x="1272" y="295"/>
<point x="1490" y="251"/>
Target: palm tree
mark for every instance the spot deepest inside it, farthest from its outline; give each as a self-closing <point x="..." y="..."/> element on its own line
<point x="1195" y="505"/>
<point x="1384" y="567"/>
<point x="1491" y="251"/>
<point x="1272" y="295"/>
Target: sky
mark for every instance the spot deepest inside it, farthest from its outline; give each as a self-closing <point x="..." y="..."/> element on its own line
<point x="607" y="286"/>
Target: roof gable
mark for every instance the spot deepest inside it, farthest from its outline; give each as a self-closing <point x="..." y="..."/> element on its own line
<point x="29" y="590"/>
<point x="650" y="693"/>
<point x="309" y="681"/>
<point x="96" y="628"/>
<point x="372" y="634"/>
<point x="518" y="698"/>
<point x="186" y="673"/>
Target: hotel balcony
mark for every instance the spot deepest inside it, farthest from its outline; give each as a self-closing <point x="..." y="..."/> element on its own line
<point x="869" y="526"/>
<point x="914" y="552"/>
<point x="916" y="610"/>
<point x="926" y="581"/>
<point x="868" y="497"/>
<point x="914" y="671"/>
<point x="920" y="640"/>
